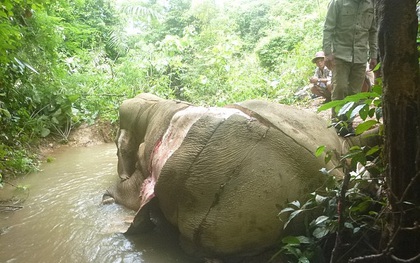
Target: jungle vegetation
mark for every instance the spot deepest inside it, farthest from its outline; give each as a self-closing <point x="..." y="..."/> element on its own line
<point x="63" y="63"/>
<point x="66" y="63"/>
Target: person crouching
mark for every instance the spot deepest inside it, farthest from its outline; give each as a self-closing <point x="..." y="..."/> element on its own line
<point x="321" y="80"/>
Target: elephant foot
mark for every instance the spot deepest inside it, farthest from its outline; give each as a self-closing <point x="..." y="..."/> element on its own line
<point x="107" y="199"/>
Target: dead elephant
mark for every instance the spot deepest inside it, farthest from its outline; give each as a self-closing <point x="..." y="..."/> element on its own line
<point x="220" y="175"/>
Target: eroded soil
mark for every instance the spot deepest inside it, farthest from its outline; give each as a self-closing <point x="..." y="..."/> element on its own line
<point x="82" y="136"/>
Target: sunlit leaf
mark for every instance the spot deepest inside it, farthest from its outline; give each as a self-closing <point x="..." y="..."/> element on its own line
<point x="346" y="108"/>
<point x="319" y="150"/>
<point x="31" y="68"/>
<point x="303" y="259"/>
<point x="295" y="203"/>
<point x="290" y="240"/>
<point x="330" y="105"/>
<point x="364" y="112"/>
<point x="320" y="232"/>
<point x="356" y="110"/>
<point x="320" y="220"/>
<point x="320" y="199"/>
<point x="287" y="209"/>
<point x="348" y="225"/>
<point x="373" y="150"/>
<point x="364" y="126"/>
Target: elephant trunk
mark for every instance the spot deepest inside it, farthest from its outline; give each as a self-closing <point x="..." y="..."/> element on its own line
<point x="125" y="192"/>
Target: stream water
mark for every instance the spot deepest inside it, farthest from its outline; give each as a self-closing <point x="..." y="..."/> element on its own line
<point x="62" y="219"/>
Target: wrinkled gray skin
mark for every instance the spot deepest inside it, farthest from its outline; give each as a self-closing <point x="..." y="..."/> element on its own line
<point x="220" y="175"/>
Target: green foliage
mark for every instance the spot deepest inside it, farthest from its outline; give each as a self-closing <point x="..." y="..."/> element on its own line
<point x="85" y="65"/>
<point x="70" y="62"/>
<point x="42" y="46"/>
<point x="363" y="219"/>
<point x="272" y="52"/>
<point x="15" y="161"/>
<point x="14" y="14"/>
<point x="367" y="105"/>
<point x="350" y="209"/>
<point x="63" y="63"/>
<point x="252" y="24"/>
<point x="202" y="57"/>
<point x="292" y="246"/>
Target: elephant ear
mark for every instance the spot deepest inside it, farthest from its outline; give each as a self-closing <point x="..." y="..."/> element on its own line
<point x="131" y="108"/>
<point x="158" y="118"/>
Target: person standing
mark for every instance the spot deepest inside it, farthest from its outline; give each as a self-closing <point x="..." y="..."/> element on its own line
<point x="349" y="42"/>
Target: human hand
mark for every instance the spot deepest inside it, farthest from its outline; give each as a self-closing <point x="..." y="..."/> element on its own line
<point x="313" y="80"/>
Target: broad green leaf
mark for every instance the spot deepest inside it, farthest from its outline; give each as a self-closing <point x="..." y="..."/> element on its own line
<point x="319" y="199"/>
<point x="320" y="220"/>
<point x="364" y="126"/>
<point x="361" y="158"/>
<point x="72" y="98"/>
<point x="290" y="240"/>
<point x="348" y="225"/>
<point x="319" y="150"/>
<point x="346" y="108"/>
<point x="361" y="207"/>
<point x="304" y="260"/>
<point x="371" y="112"/>
<point x="373" y="150"/>
<point x="356" y="110"/>
<point x="5" y="113"/>
<point x="291" y="217"/>
<point x="45" y="132"/>
<point x="320" y="232"/>
<point x="360" y="96"/>
<point x="30" y="67"/>
<point x="295" y="203"/>
<point x="364" y="112"/>
<point x="287" y="209"/>
<point x="304" y="239"/>
<point x="377" y="88"/>
<point x="330" y="105"/>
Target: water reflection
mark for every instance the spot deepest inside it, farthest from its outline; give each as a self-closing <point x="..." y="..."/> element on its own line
<point x="62" y="219"/>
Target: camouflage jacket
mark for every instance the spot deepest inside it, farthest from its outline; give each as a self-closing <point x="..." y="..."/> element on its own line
<point x="350" y="30"/>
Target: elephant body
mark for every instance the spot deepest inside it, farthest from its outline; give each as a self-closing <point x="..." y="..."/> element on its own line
<point x="220" y="175"/>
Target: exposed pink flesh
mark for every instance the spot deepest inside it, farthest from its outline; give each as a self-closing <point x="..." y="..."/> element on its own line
<point x="172" y="139"/>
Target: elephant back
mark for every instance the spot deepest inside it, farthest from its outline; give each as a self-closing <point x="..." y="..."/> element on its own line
<point x="226" y="183"/>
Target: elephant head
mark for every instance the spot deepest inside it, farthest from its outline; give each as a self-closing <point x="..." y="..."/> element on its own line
<point x="220" y="175"/>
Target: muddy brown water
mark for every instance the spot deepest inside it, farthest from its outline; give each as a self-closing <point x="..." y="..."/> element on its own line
<point x="62" y="218"/>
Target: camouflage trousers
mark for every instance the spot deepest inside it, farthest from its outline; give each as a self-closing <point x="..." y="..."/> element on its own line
<point x="347" y="78"/>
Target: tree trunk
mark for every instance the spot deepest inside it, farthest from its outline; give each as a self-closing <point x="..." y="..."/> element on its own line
<point x="401" y="106"/>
